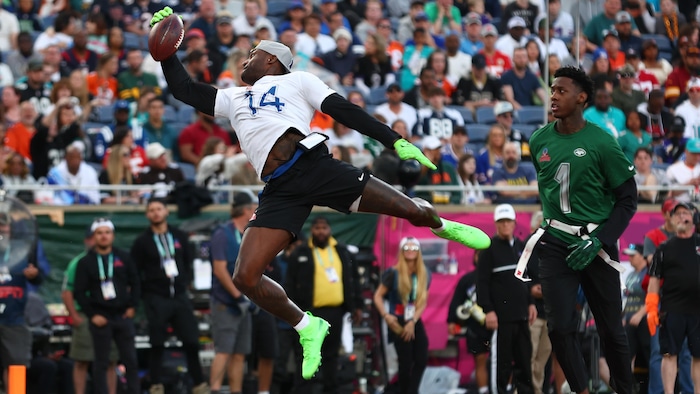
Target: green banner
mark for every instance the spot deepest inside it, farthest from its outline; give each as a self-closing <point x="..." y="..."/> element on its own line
<point x="62" y="243"/>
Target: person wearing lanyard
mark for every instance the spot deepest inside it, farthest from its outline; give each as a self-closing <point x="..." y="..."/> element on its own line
<point x="405" y="286"/>
<point x="107" y="289"/>
<point x="322" y="278"/>
<point x="163" y="258"/>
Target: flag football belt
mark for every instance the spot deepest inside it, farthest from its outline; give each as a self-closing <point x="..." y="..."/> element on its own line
<point x="310" y="142"/>
<point x="579" y="231"/>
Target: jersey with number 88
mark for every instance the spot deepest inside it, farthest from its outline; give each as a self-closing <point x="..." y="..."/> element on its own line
<point x="577" y="174"/>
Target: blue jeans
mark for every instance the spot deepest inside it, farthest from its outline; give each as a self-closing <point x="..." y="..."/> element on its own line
<point x="684" y="379"/>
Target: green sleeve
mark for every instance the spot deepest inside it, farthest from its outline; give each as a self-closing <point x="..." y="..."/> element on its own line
<point x="456" y="16"/>
<point x="69" y="274"/>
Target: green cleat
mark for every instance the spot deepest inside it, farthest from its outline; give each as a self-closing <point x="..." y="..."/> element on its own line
<point x="311" y="339"/>
<point x="464" y="234"/>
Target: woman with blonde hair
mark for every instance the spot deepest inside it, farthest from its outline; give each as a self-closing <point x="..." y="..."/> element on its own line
<point x="491" y="156"/>
<point x="373" y="70"/>
<point x="405" y="287"/>
<point x="231" y="76"/>
<point x="118" y="172"/>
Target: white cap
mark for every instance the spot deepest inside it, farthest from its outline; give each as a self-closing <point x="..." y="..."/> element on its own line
<point x="516" y="21"/>
<point x="281" y="51"/>
<point x="693" y="83"/>
<point x="155" y="150"/>
<point x="431" y="142"/>
<point x="101" y="223"/>
<point x="502" y="107"/>
<point x="406" y="240"/>
<point x="342" y="32"/>
<point x="504" y="211"/>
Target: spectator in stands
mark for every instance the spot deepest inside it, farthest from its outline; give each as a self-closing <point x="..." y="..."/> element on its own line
<point x="472" y="40"/>
<point x="217" y="164"/>
<point x="9" y="29"/>
<point x="102" y="83"/>
<point x="457" y="146"/>
<point x="74" y="173"/>
<point x="497" y="62"/>
<point x="673" y="146"/>
<point x="602" y="113"/>
<point x="625" y="97"/>
<point x="294" y="18"/>
<point x="137" y="15"/>
<point x="131" y="81"/>
<point x="634" y="312"/>
<point x="515" y="38"/>
<point x="414" y="59"/>
<point x="52" y="63"/>
<point x="48" y="145"/>
<point x="508" y="306"/>
<point x="604" y="21"/>
<point x="394" y="48"/>
<point x="311" y="42"/>
<point x="417" y="97"/>
<point x="437" y="61"/>
<point x="251" y="19"/>
<point x="329" y="12"/>
<point x="395" y="109"/>
<point x="652" y="63"/>
<point x="647" y="175"/>
<point x="491" y="156"/>
<point x="444" y="175"/>
<point x="479" y="89"/>
<point x="644" y="80"/>
<point x="458" y="63"/>
<point x="17" y="173"/>
<point x="10" y="105"/>
<point x="194" y="40"/>
<point x="35" y="87"/>
<point x="64" y="27"/>
<point x="689" y="109"/>
<point x="611" y="44"/>
<point x="196" y="64"/>
<point x="206" y="18"/>
<point x="404" y="31"/>
<point x="511" y="173"/>
<point x="669" y="20"/>
<point x="156" y="129"/>
<point x="655" y="116"/>
<point x="27" y="16"/>
<point x="219" y="46"/>
<point x="368" y="25"/>
<point x="373" y="70"/>
<point x="437" y="119"/>
<point x="677" y="80"/>
<point x="347" y="137"/>
<point x="192" y="138"/>
<point x="405" y="286"/>
<point x="117" y="171"/>
<point x="562" y="21"/>
<point x="342" y="60"/>
<point x="466" y="169"/>
<point x="115" y="43"/>
<point x="96" y="30"/>
<point x="634" y="136"/>
<point x="686" y="171"/>
<point x="577" y="48"/>
<point x="110" y="308"/>
<point x="520" y="86"/>
<point x="19" y="135"/>
<point x="556" y="45"/>
<point x="523" y="9"/>
<point x="623" y="27"/>
<point x="19" y="58"/>
<point x="123" y="135"/>
<point x="504" y="113"/>
<point x="160" y="170"/>
<point x="79" y="57"/>
<point x="61" y="96"/>
<point x="444" y="16"/>
<point x="231" y="76"/>
<point x="534" y="59"/>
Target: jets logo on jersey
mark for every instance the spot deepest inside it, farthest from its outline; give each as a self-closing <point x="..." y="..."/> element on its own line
<point x="579" y="152"/>
<point x="544" y="156"/>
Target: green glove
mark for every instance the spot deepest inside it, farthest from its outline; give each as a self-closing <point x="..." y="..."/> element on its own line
<point x="160" y="15"/>
<point x="407" y="151"/>
<point x="584" y="251"/>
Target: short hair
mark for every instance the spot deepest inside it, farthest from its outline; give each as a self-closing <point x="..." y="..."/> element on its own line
<point x="654" y="94"/>
<point x="583" y="81"/>
<point x="154" y="99"/>
<point x="153" y="200"/>
<point x="643" y="149"/>
<point x="194" y="56"/>
<point x="319" y="219"/>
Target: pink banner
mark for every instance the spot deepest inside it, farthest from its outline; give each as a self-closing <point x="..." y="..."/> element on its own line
<point x="390" y="231"/>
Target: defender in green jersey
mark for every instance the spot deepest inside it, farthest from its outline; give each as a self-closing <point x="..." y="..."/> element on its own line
<point x="588" y="197"/>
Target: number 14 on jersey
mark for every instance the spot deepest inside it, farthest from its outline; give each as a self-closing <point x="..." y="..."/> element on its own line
<point x="265" y="100"/>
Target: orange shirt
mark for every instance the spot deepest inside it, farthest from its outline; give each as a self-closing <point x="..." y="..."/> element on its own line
<point x="104" y="88"/>
<point x="18" y="138"/>
<point x="618" y="61"/>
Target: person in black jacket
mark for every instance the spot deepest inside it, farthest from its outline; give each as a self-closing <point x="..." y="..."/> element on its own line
<point x="508" y="305"/>
<point x="107" y="289"/>
<point x="322" y="278"/>
<point x="164" y="261"/>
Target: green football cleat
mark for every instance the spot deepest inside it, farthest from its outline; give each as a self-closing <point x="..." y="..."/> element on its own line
<point x="464" y="234"/>
<point x="311" y="339"/>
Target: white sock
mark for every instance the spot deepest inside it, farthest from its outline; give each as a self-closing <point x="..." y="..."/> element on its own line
<point x="263" y="392"/>
<point x="484" y="390"/>
<point x="302" y="323"/>
<point x="441" y="228"/>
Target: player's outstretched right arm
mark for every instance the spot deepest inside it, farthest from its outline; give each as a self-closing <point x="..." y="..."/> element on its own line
<point x="199" y="95"/>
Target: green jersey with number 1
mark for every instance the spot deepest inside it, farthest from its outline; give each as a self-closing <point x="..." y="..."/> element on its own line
<point x="577" y="173"/>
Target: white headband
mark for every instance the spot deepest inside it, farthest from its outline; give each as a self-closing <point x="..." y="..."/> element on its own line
<point x="101" y="223"/>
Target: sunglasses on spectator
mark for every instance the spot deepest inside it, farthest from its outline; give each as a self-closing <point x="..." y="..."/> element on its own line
<point x="626" y="75"/>
<point x="384" y="26"/>
<point x="694" y="90"/>
<point x="412" y="248"/>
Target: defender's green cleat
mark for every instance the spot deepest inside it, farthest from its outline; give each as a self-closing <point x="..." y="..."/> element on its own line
<point x="311" y="339"/>
<point x="464" y="234"/>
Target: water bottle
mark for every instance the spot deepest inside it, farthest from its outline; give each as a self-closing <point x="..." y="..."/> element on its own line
<point x="453" y="267"/>
<point x="363" y="385"/>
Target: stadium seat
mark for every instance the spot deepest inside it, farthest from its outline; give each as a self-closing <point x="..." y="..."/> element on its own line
<point x="48" y="21"/>
<point x="104" y="114"/>
<point x="371" y="108"/>
<point x="277" y="8"/>
<point x="530" y="115"/>
<point x="662" y="42"/>
<point x="526" y="129"/>
<point x="178" y="126"/>
<point x="188" y="170"/>
<point x="660" y="166"/>
<point x="92" y="127"/>
<point x="131" y="41"/>
<point x="477" y="133"/>
<point x="185" y="114"/>
<point x="377" y="96"/>
<point x="170" y="114"/>
<point x="465" y="112"/>
<point x="485" y="116"/>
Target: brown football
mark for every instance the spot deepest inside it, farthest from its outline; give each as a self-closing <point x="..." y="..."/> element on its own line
<point x="165" y="37"/>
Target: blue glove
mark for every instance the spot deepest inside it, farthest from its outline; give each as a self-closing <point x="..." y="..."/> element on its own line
<point x="583" y="253"/>
<point x="407" y="151"/>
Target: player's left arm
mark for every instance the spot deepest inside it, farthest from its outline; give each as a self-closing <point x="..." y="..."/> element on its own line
<point x="619" y="173"/>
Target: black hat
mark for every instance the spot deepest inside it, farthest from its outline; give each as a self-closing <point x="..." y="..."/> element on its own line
<point x="685" y="205"/>
<point x="631" y="52"/>
<point x="243" y="198"/>
<point x="678" y="124"/>
<point x="633" y="249"/>
<point x="479" y="61"/>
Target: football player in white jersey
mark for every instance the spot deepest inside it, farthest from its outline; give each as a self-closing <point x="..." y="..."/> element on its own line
<point x="271" y="117"/>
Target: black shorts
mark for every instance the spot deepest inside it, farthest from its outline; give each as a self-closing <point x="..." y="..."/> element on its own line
<point x="315" y="179"/>
<point x="265" y="335"/>
<point x="675" y="327"/>
<point x="478" y="338"/>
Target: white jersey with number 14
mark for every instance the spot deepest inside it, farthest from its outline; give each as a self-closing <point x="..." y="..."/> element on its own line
<point x="261" y="113"/>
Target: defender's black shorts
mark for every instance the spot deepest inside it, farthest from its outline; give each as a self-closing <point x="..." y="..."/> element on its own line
<point x="675" y="327"/>
<point x="478" y="338"/>
<point x="315" y="179"/>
